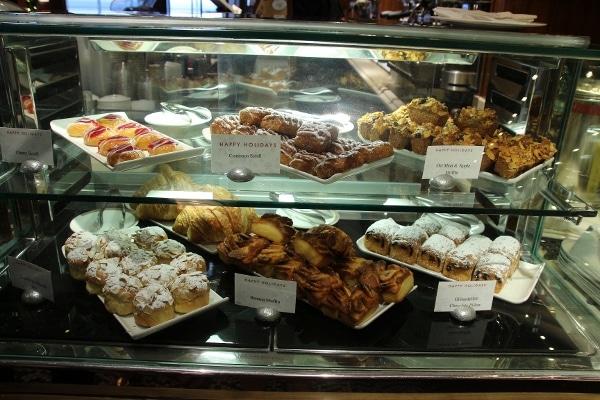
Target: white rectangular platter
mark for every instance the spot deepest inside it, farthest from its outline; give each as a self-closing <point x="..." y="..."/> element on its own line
<point x="516" y="291"/>
<point x="420" y="159"/>
<point x="138" y="332"/>
<point x="59" y="126"/>
<point x="341" y="175"/>
<point x="380" y="311"/>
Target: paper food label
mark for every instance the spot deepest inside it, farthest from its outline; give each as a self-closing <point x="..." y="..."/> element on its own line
<point x="259" y="292"/>
<point x="460" y="162"/>
<point x="476" y="294"/>
<point x="19" y="145"/>
<point x="259" y="153"/>
<point x="25" y="275"/>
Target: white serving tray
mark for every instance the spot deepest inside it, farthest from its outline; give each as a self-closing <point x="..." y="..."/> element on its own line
<point x="516" y="291"/>
<point x="59" y="126"/>
<point x="482" y="174"/>
<point x="341" y="175"/>
<point x="138" y="332"/>
<point x="380" y="311"/>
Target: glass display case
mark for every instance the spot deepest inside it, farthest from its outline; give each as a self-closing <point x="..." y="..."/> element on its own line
<point x="348" y="109"/>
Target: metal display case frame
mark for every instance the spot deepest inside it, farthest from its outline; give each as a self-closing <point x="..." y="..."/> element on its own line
<point x="279" y="351"/>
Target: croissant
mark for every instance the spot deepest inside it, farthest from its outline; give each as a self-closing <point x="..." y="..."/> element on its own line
<point x="166" y="179"/>
<point x="204" y="226"/>
<point x="211" y="224"/>
<point x="184" y="219"/>
<point x="159" y="212"/>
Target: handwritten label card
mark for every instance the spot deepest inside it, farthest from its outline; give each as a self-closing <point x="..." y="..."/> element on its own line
<point x="25" y="275"/>
<point x="460" y="162"/>
<point x="259" y="153"/>
<point x="479" y="295"/>
<point x="258" y="292"/>
<point x="19" y="145"/>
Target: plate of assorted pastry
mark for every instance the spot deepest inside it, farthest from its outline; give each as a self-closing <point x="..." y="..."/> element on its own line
<point x="146" y="280"/>
<point x="120" y="143"/>
<point x="310" y="148"/>
<point x="448" y="250"/>
<point x="202" y="225"/>
<point x="425" y="122"/>
<point x="323" y="261"/>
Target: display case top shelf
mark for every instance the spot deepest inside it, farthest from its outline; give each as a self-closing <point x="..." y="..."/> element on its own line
<point x="304" y="50"/>
<point x="255" y="31"/>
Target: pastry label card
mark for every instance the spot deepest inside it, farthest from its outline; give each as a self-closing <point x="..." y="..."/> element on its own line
<point x="460" y="162"/>
<point x="19" y="145"/>
<point x="477" y="295"/>
<point x="259" y="292"/>
<point x="258" y="153"/>
<point x="26" y="276"/>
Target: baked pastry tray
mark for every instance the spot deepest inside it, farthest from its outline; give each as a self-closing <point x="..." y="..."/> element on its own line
<point x="516" y="291"/>
<point x="488" y="176"/>
<point x="419" y="160"/>
<point x="341" y="175"/>
<point x="138" y="332"/>
<point x="381" y="309"/>
<point x="59" y="126"/>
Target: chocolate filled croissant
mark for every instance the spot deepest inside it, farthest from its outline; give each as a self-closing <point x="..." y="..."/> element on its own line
<point x="241" y="249"/>
<point x="323" y="244"/>
<point x="316" y="284"/>
<point x="362" y="306"/>
<point x="396" y="282"/>
<point x="276" y="228"/>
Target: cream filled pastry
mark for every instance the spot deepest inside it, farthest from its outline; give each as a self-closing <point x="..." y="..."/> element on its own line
<point x="153" y="305"/>
<point x="190" y="292"/>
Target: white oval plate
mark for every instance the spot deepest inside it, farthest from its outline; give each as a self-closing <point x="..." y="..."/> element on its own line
<point x="112" y="218"/>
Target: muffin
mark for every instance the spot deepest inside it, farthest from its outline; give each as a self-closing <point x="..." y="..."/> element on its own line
<point x="427" y="111"/>
<point x="422" y="137"/>
<point x="484" y="121"/>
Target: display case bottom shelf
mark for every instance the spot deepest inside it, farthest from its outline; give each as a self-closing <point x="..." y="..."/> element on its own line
<point x="113" y="385"/>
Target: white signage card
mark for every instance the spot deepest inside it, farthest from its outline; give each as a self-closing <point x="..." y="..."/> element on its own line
<point x="259" y="153"/>
<point x="476" y="294"/>
<point x="25" y="275"/>
<point x="19" y="145"/>
<point x="461" y="162"/>
<point x="259" y="292"/>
